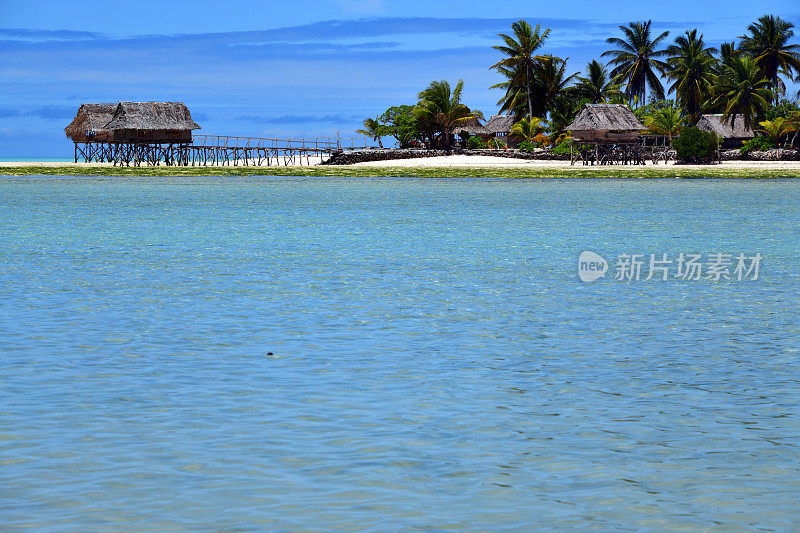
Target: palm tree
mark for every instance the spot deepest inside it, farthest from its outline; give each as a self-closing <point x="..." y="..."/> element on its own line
<point x="374" y="129"/>
<point x="797" y="80"/>
<point x="636" y="60"/>
<point x="527" y="129"/>
<point x="775" y="129"/>
<point x="666" y="121"/>
<point x="727" y="51"/>
<point x="767" y="42"/>
<point x="441" y="106"/>
<point x="520" y="50"/>
<point x="515" y="97"/>
<point x="562" y="112"/>
<point x="597" y="87"/>
<point x="741" y="90"/>
<point x="549" y="82"/>
<point x="793" y="125"/>
<point x="691" y="68"/>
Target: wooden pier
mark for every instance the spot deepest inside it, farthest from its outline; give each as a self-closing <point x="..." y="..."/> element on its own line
<point x="216" y="150"/>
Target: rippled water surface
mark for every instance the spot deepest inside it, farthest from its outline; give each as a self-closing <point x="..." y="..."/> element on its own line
<point x="436" y="363"/>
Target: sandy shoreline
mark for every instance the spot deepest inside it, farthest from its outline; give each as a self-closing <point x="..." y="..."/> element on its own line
<point x="452" y="161"/>
<point x="313" y="161"/>
<point x="488" y="161"/>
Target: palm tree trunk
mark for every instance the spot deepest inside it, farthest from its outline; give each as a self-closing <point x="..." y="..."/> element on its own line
<point x="528" y="88"/>
<point x="775" y="88"/>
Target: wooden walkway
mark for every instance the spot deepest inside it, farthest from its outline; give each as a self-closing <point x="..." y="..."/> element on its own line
<point x="218" y="150"/>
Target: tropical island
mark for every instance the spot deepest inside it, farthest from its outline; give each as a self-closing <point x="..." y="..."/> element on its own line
<point x="646" y="100"/>
<point x="734" y="96"/>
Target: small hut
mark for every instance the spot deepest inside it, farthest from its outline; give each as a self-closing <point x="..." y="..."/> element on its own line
<point x="499" y="127"/>
<point x="472" y="127"/>
<point x="605" y="123"/>
<point x="152" y="122"/>
<point x="733" y="135"/>
<point x="89" y="124"/>
<point x="611" y="131"/>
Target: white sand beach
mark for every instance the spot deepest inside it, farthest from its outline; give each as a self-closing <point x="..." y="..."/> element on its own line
<point x="489" y="161"/>
<point x="451" y="161"/>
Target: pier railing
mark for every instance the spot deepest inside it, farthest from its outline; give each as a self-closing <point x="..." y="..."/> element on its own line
<point x="316" y="144"/>
<point x="213" y="150"/>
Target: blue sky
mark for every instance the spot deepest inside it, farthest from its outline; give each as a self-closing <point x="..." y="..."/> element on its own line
<point x="291" y="69"/>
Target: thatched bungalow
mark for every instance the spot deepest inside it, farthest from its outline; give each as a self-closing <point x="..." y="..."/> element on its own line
<point x="90" y="122"/>
<point x="470" y="128"/>
<point x="732" y="135"/>
<point x="499" y="127"/>
<point x="605" y="123"/>
<point x="153" y="122"/>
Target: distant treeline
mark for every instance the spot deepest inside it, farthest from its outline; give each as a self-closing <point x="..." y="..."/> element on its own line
<point x="744" y="80"/>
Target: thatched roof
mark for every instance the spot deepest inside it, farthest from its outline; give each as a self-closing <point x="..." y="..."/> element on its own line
<point x="472" y="126"/>
<point x="500" y="124"/>
<point x="606" y="117"/>
<point x="90" y="118"/>
<point x="715" y="124"/>
<point x="150" y="116"/>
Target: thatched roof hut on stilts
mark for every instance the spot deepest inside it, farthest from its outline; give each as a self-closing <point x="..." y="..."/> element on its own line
<point x="152" y="122"/>
<point x="612" y="130"/>
<point x="134" y="132"/>
<point x="89" y="124"/>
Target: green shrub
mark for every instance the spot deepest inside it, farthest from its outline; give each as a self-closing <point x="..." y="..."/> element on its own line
<point x="526" y="146"/>
<point x="757" y="144"/>
<point x="784" y="109"/>
<point x="695" y="145"/>
<point x="564" y="147"/>
<point x="497" y="143"/>
<point x="476" y="142"/>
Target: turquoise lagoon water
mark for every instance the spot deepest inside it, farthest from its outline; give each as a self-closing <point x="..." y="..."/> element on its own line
<point x="436" y="363"/>
<point x="37" y="159"/>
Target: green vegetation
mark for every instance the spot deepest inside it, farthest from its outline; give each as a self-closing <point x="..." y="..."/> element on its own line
<point x="374" y="129"/>
<point x="431" y="121"/>
<point x="696" y="146"/>
<point x="741" y="92"/>
<point x="665" y="121"/>
<point x="767" y="42"/>
<point x="476" y="143"/>
<point x="636" y="59"/>
<point x="440" y="110"/>
<point x="527" y="129"/>
<point x="519" y="64"/>
<point x="566" y="147"/>
<point x="744" y="81"/>
<point x="691" y="69"/>
<point x="578" y="171"/>
<point x="401" y="123"/>
<point x="774" y="129"/>
<point x="756" y="144"/>
<point x="597" y="87"/>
